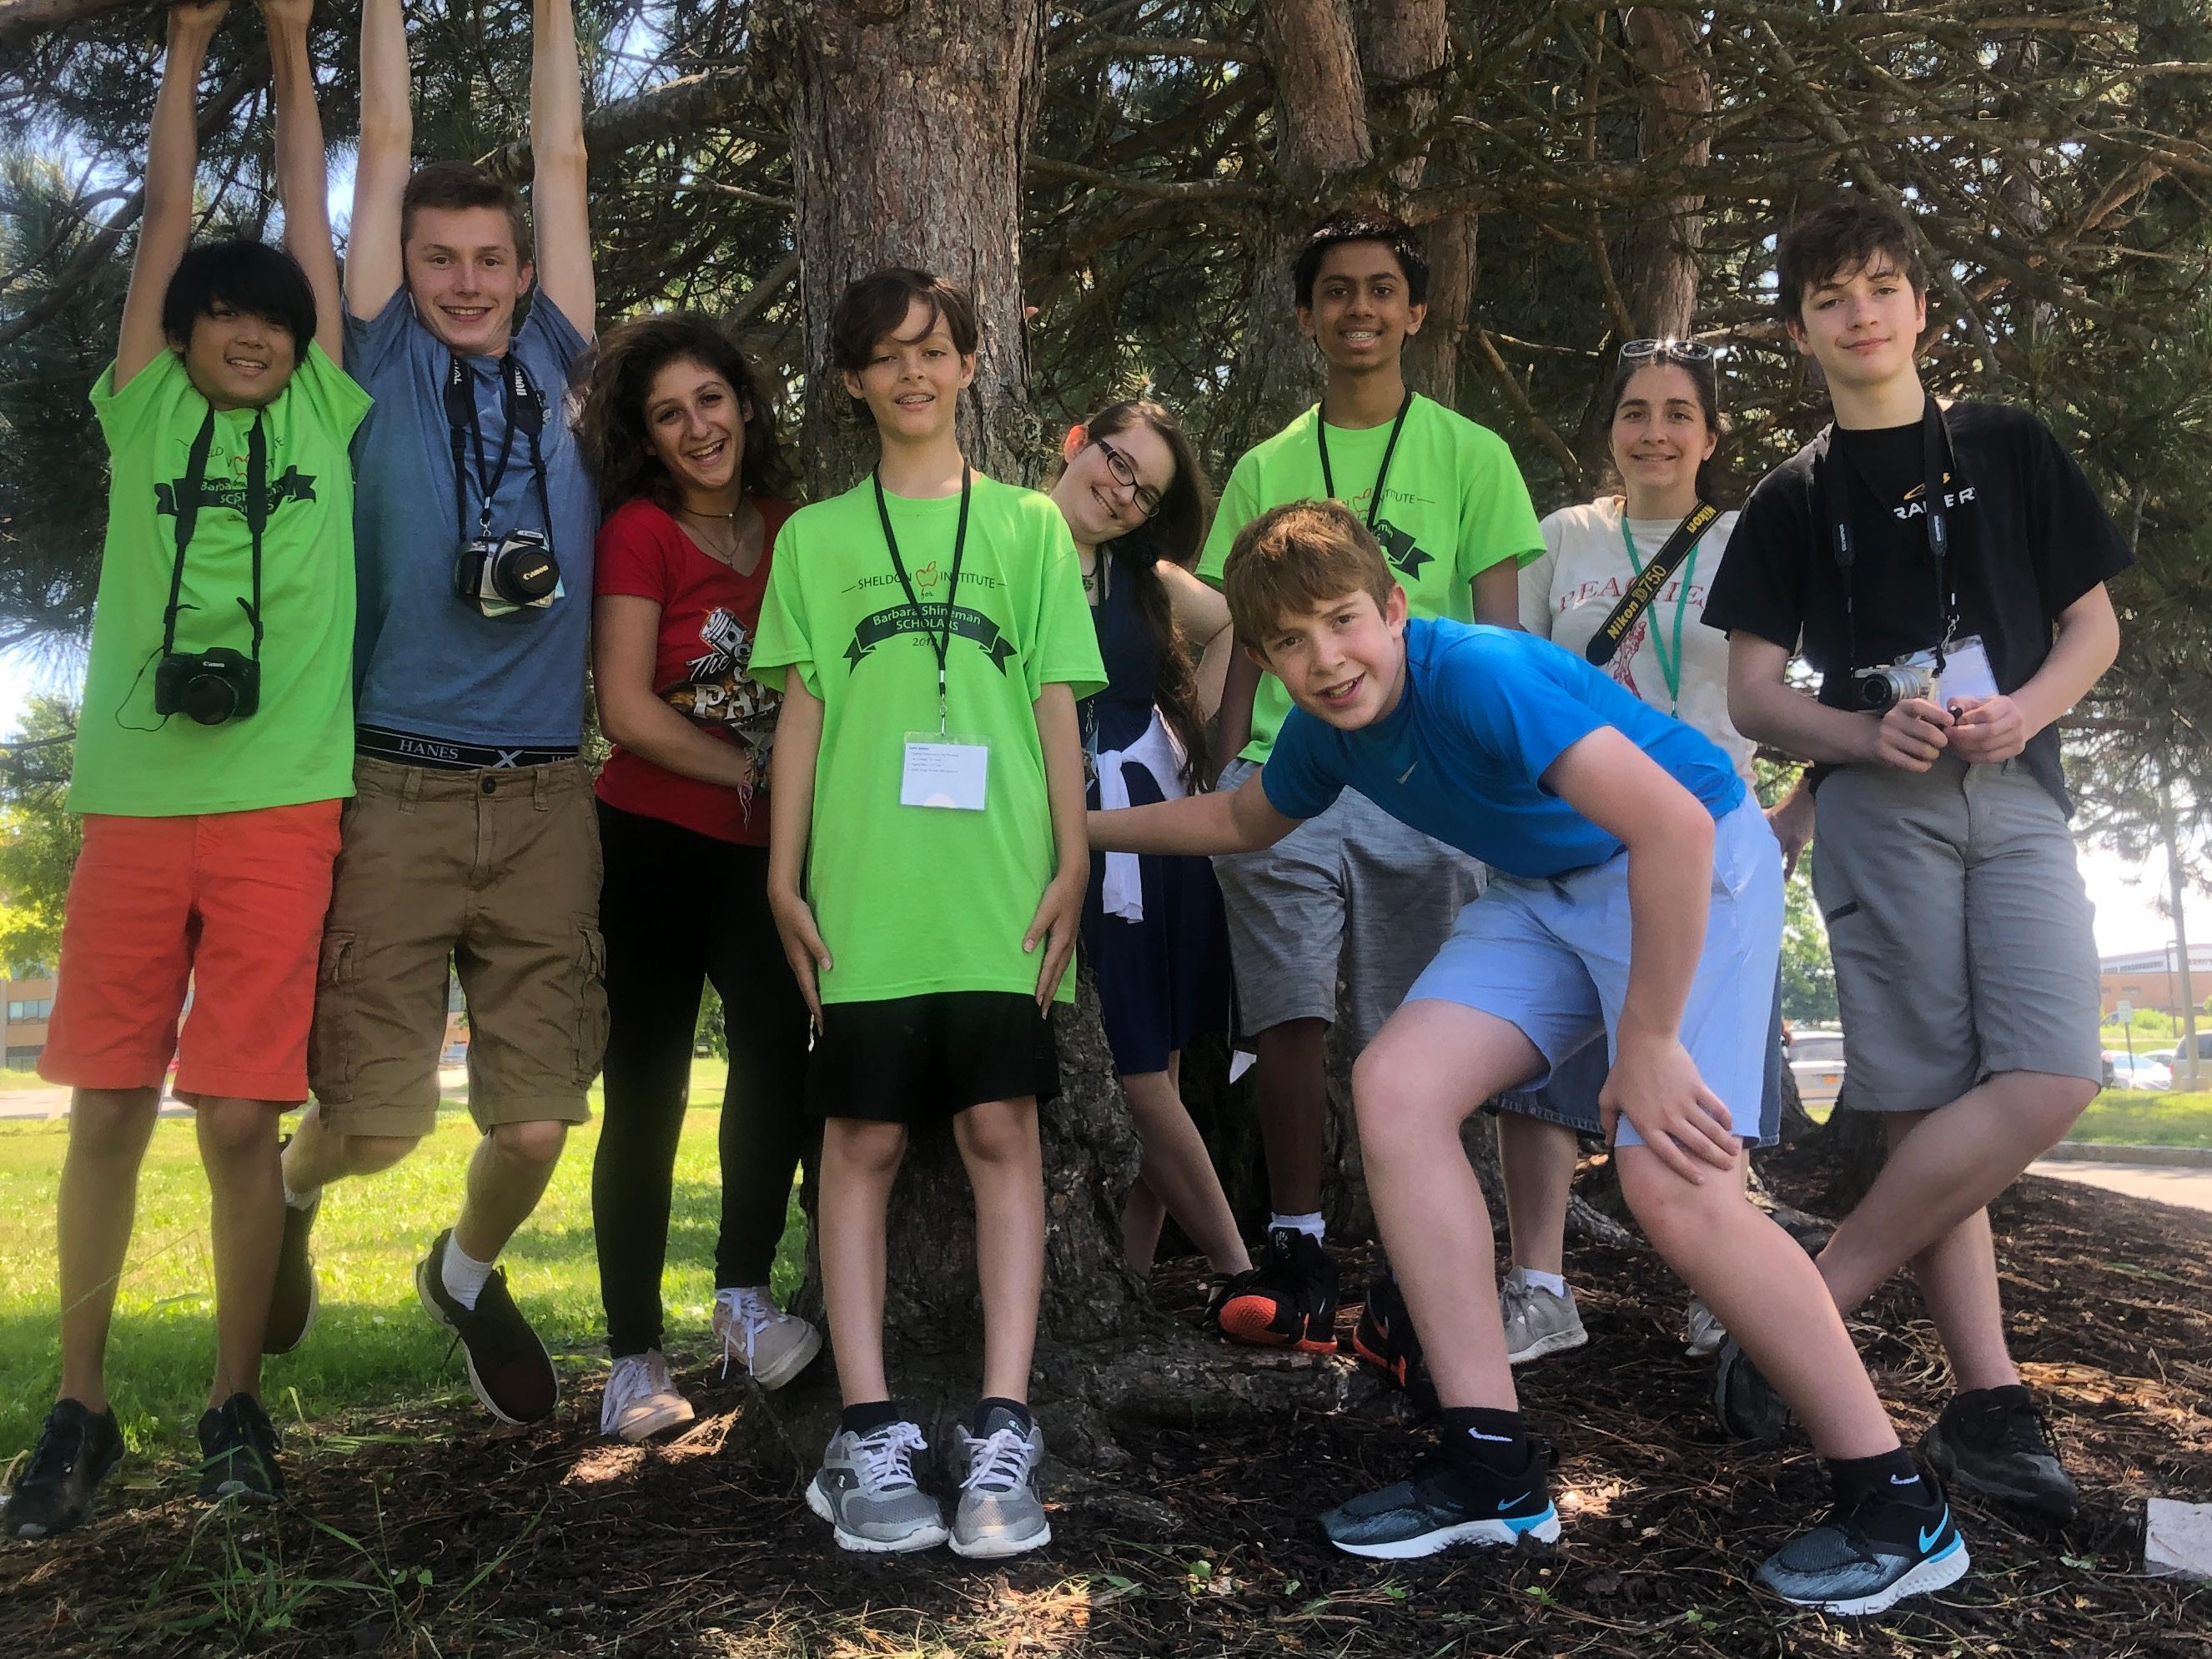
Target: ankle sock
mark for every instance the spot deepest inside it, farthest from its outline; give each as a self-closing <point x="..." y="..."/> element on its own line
<point x="2012" y="1393"/>
<point x="867" y="1417"/>
<point x="1496" y="1439"/>
<point x="1310" y="1225"/>
<point x="1556" y="1284"/>
<point x="463" y="1275"/>
<point x="303" y="1199"/>
<point x="1023" y="1420"/>
<point x="1893" y="1476"/>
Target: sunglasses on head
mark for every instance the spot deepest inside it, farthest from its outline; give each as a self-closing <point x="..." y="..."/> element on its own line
<point x="1681" y="351"/>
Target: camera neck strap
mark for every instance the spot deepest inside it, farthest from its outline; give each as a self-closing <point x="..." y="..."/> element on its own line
<point x="1382" y="474"/>
<point x="524" y="409"/>
<point x="1649" y="581"/>
<point x="188" y="519"/>
<point x="1939" y="466"/>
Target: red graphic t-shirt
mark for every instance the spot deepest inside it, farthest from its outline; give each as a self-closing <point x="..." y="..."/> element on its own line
<point x="708" y="614"/>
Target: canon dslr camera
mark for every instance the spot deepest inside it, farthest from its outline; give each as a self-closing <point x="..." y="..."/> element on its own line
<point x="1881" y="689"/>
<point x="210" y="686"/>
<point x="519" y="570"/>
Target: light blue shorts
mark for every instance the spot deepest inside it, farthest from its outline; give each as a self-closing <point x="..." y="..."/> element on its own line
<point x="1551" y="955"/>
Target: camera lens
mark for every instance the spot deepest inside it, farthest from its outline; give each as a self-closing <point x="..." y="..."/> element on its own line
<point x="209" y="698"/>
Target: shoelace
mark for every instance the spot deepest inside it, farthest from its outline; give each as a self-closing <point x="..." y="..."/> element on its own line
<point x="998" y="1463"/>
<point x="886" y="1456"/>
<point x="1513" y="1302"/>
<point x="636" y="1378"/>
<point x="749" y="1314"/>
<point x="51" y="1459"/>
<point x="2014" y="1425"/>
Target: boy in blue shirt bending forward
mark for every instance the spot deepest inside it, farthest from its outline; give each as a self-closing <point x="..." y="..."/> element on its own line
<point x="1636" y="899"/>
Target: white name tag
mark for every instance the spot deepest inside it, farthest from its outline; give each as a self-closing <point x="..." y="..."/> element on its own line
<point x="1966" y="672"/>
<point x="950" y="773"/>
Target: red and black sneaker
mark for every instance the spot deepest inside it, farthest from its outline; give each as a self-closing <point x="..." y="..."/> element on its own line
<point x="1288" y="1301"/>
<point x="1385" y="1341"/>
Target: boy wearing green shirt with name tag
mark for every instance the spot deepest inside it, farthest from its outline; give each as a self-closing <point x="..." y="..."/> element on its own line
<point x="1353" y="889"/>
<point x="928" y="632"/>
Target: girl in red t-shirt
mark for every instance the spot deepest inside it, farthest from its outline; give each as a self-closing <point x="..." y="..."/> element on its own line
<point x="679" y="427"/>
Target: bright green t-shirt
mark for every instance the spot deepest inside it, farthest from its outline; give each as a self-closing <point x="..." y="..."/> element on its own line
<point x="918" y="899"/>
<point x="299" y="745"/>
<point x="1454" y="505"/>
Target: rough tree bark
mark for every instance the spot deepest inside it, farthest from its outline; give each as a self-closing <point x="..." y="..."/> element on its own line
<point x="1665" y="241"/>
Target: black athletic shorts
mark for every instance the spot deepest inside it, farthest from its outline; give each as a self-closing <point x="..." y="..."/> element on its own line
<point x="922" y="1059"/>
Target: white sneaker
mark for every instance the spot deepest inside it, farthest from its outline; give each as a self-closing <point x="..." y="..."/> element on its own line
<point x="773" y="1346"/>
<point x="1702" y="1333"/>
<point x="1537" y="1322"/>
<point x="640" y="1401"/>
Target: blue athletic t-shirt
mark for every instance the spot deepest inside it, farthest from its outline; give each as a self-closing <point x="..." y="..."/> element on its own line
<point x="425" y="661"/>
<point x="1485" y="711"/>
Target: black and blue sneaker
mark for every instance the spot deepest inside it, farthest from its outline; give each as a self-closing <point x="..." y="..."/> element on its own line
<point x="1868" y="1557"/>
<point x="1448" y="1501"/>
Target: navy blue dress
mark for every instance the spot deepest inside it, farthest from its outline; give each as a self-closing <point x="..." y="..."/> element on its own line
<point x="1164" y="980"/>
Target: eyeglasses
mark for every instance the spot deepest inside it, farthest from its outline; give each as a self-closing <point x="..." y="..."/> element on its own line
<point x="1146" y="501"/>
<point x="1681" y="351"/>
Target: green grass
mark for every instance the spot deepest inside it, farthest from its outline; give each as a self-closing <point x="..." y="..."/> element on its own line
<point x="12" y="1081"/>
<point x="2141" y="1118"/>
<point x="372" y="1346"/>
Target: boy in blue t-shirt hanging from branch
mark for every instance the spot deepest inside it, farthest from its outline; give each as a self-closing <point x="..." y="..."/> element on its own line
<point x="1636" y="899"/>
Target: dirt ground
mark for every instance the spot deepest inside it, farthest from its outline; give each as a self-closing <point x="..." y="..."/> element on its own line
<point x="423" y="1534"/>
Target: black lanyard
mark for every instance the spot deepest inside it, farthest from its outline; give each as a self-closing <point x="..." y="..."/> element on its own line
<point x="188" y="515"/>
<point x="1599" y="650"/>
<point x="521" y="407"/>
<point x="940" y="641"/>
<point x="1329" y="479"/>
<point x="1935" y="450"/>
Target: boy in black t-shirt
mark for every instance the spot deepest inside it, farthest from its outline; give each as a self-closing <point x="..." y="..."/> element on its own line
<point x="1962" y="550"/>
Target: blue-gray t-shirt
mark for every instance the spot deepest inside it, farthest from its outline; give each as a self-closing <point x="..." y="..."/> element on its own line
<point x="426" y="662"/>
<point x="1484" y="712"/>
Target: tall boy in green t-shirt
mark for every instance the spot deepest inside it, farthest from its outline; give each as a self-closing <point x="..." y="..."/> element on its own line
<point x="928" y="632"/>
<point x="1353" y="890"/>
<point x="210" y="762"/>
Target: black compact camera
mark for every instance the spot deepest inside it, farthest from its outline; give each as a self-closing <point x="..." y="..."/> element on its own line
<point x="518" y="570"/>
<point x="210" y="686"/>
<point x="1881" y="689"/>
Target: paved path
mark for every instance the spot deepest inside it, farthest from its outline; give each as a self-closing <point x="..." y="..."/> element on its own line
<point x="2190" y="1187"/>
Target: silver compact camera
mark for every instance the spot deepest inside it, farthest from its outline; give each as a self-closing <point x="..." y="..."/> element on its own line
<point x="517" y="571"/>
<point x="1881" y="689"/>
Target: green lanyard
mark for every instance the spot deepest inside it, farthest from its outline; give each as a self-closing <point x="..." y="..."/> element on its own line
<point x="1673" y="670"/>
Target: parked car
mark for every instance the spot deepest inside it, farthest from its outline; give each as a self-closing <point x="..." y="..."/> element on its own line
<point x="2137" y="1072"/>
<point x="1816" y="1061"/>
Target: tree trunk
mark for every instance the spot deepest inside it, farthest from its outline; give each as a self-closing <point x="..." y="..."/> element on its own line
<point x="909" y="124"/>
<point x="1677" y="95"/>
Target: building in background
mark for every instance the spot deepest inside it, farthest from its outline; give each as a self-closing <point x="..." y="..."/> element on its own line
<point x="30" y="1005"/>
<point x="2152" y="978"/>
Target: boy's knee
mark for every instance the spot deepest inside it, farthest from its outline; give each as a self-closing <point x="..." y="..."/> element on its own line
<point x="368" y="1154"/>
<point x="865" y="1147"/>
<point x="1383" y="1092"/>
<point x="1669" y="1209"/>
<point x="104" y="1117"/>
<point x="536" y="1144"/>
<point x="2055" y="1102"/>
<point x="996" y="1132"/>
<point x="234" y="1127"/>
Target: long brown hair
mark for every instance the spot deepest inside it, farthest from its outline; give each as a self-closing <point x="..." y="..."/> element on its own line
<point x="1175" y="533"/>
<point x="611" y="421"/>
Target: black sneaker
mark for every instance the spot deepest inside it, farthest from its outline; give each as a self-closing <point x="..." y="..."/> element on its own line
<point x="508" y="1367"/>
<point x="238" y="1453"/>
<point x="1385" y="1341"/>
<point x="1743" y="1400"/>
<point x="1449" y="1500"/>
<point x="1995" y="1443"/>
<point x="75" y="1452"/>
<point x="1288" y="1301"/>
<point x="292" y="1300"/>
<point x="1870" y="1556"/>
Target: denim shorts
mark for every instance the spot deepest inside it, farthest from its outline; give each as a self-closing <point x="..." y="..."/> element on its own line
<point x="1551" y="955"/>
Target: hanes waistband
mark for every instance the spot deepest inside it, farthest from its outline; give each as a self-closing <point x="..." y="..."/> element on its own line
<point x="446" y="754"/>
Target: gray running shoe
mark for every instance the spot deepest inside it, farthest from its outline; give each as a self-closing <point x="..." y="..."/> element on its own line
<point x="865" y="1490"/>
<point x="1868" y="1558"/>
<point x="1537" y="1322"/>
<point x="999" y="1513"/>
<point x="1702" y="1330"/>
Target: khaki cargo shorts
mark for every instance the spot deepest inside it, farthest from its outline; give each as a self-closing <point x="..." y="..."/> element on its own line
<point x="497" y="872"/>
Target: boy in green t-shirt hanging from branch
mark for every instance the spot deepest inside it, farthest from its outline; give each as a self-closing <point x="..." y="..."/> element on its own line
<point x="928" y="632"/>
<point x="210" y="761"/>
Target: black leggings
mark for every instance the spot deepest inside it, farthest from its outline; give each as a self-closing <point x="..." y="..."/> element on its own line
<point x="679" y="908"/>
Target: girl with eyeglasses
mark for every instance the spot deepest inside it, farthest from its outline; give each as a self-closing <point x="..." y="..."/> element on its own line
<point x="1666" y="431"/>
<point x="1136" y="503"/>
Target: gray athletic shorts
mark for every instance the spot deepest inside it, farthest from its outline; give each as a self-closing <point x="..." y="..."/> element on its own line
<point x="1353" y="890"/>
<point x="1961" y="930"/>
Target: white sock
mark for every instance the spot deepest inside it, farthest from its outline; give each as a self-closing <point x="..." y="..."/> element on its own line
<point x="1554" y="1283"/>
<point x="301" y="1200"/>
<point x="1310" y="1225"/>
<point x="464" y="1274"/>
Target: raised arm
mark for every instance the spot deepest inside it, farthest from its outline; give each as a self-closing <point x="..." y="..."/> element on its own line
<point x="1203" y="616"/>
<point x="560" y="208"/>
<point x="374" y="268"/>
<point x="172" y="157"/>
<point x="302" y="169"/>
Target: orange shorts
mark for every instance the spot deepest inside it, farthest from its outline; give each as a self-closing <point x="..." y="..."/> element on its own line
<point x="225" y="907"/>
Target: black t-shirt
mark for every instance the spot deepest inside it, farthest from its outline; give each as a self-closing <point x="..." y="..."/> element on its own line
<point x="2028" y="537"/>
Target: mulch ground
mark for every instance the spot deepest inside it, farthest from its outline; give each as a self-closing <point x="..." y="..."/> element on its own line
<point x="422" y="1534"/>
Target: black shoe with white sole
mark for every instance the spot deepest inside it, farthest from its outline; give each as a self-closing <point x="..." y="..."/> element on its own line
<point x="509" y="1369"/>
<point x="1448" y="1501"/>
<point x="78" y="1449"/>
<point x="238" y="1453"/>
